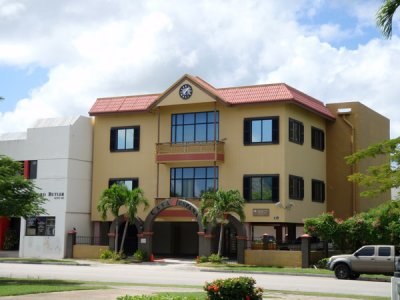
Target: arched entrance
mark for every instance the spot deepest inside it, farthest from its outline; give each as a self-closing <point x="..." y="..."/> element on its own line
<point x="234" y="239"/>
<point x="206" y="237"/>
<point x="173" y="238"/>
<point x="132" y="233"/>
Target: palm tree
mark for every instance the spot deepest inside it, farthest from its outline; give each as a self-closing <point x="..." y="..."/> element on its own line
<point x="111" y="200"/>
<point x="384" y="17"/>
<point x="135" y="198"/>
<point x="216" y="205"/>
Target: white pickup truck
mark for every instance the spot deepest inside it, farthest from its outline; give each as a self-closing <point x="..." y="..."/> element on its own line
<point x="370" y="259"/>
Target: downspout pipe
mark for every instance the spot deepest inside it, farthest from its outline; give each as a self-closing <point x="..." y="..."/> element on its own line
<point x="353" y="166"/>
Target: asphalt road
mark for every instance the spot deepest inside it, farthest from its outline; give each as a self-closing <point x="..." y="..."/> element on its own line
<point x="187" y="274"/>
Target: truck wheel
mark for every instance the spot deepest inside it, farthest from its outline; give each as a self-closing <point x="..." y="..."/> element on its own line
<point x="342" y="271"/>
<point x="354" y="275"/>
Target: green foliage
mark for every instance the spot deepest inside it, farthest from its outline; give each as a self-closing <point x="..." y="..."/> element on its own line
<point x="156" y="297"/>
<point x="110" y="255"/>
<point x="113" y="198"/>
<point x="215" y="206"/>
<point x="201" y="259"/>
<point x="240" y="288"/>
<point x="384" y="17"/>
<point x="18" y="196"/>
<point x="216" y="259"/>
<point x="378" y="178"/>
<point x="322" y="263"/>
<point x="379" y="225"/>
<point x="141" y="255"/>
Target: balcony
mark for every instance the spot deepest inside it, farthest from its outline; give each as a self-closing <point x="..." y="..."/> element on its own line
<point x="190" y="152"/>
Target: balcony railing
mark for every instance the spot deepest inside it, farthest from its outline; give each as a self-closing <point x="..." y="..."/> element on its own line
<point x="194" y="151"/>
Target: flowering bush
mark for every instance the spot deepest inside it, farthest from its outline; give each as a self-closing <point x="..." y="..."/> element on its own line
<point x="240" y="288"/>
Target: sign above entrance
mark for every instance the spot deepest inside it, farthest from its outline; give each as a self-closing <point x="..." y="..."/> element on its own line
<point x="174" y="202"/>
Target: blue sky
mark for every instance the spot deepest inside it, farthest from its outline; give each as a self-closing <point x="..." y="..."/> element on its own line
<point x="57" y="57"/>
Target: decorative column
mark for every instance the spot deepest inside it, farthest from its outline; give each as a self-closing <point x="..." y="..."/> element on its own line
<point x="145" y="241"/>
<point x="71" y="241"/>
<point x="111" y="241"/>
<point x="305" y="250"/>
<point x="241" y="247"/>
<point x="205" y="243"/>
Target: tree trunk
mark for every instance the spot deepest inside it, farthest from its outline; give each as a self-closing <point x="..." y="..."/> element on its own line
<point x="221" y="235"/>
<point x="123" y="236"/>
<point x="116" y="236"/>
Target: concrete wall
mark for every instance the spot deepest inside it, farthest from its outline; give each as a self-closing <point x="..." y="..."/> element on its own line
<point x="63" y="149"/>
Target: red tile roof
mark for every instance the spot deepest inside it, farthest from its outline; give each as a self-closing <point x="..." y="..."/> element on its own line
<point x="266" y="93"/>
<point x="122" y="104"/>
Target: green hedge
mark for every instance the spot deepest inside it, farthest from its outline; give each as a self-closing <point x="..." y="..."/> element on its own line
<point x="240" y="288"/>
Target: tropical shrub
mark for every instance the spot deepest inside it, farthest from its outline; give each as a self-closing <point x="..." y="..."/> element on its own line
<point x="110" y="254"/>
<point x="240" y="288"/>
<point x="141" y="255"/>
<point x="322" y="263"/>
<point x="379" y="225"/>
<point x="201" y="259"/>
<point x="215" y="258"/>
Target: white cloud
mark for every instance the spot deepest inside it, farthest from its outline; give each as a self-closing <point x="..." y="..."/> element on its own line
<point x="102" y="48"/>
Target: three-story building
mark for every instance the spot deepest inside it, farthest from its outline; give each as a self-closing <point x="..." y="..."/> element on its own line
<point x="268" y="141"/>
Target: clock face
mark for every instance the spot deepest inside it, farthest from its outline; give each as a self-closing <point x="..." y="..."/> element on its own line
<point x="185" y="91"/>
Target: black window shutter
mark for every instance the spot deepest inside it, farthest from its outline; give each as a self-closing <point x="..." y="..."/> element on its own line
<point x="275" y="131"/>
<point x="323" y="191"/>
<point x="301" y="188"/>
<point x="113" y="139"/>
<point x="275" y="188"/>
<point x="301" y="133"/>
<point x="291" y="190"/>
<point x="291" y="130"/>
<point x="246" y="188"/>
<point x="247" y="132"/>
<point x="137" y="138"/>
<point x="322" y="141"/>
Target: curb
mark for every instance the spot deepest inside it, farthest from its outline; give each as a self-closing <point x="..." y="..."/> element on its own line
<point x="283" y="273"/>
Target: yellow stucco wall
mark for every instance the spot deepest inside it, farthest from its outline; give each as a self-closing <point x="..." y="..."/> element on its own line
<point x="273" y="258"/>
<point x="369" y="128"/>
<point x="284" y="158"/>
<point x="88" y="251"/>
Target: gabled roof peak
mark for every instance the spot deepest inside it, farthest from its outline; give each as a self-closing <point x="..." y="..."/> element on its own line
<point x="239" y="95"/>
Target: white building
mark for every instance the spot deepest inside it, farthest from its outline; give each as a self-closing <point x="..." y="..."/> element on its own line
<point x="57" y="155"/>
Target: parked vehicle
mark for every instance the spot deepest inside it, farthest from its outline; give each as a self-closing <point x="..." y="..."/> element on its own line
<point x="370" y="259"/>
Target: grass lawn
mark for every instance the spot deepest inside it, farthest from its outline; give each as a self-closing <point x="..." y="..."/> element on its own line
<point x="267" y="295"/>
<point x="286" y="270"/>
<point x="38" y="260"/>
<point x="13" y="286"/>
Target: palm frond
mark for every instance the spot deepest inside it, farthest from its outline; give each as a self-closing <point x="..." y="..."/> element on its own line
<point x="384" y="17"/>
